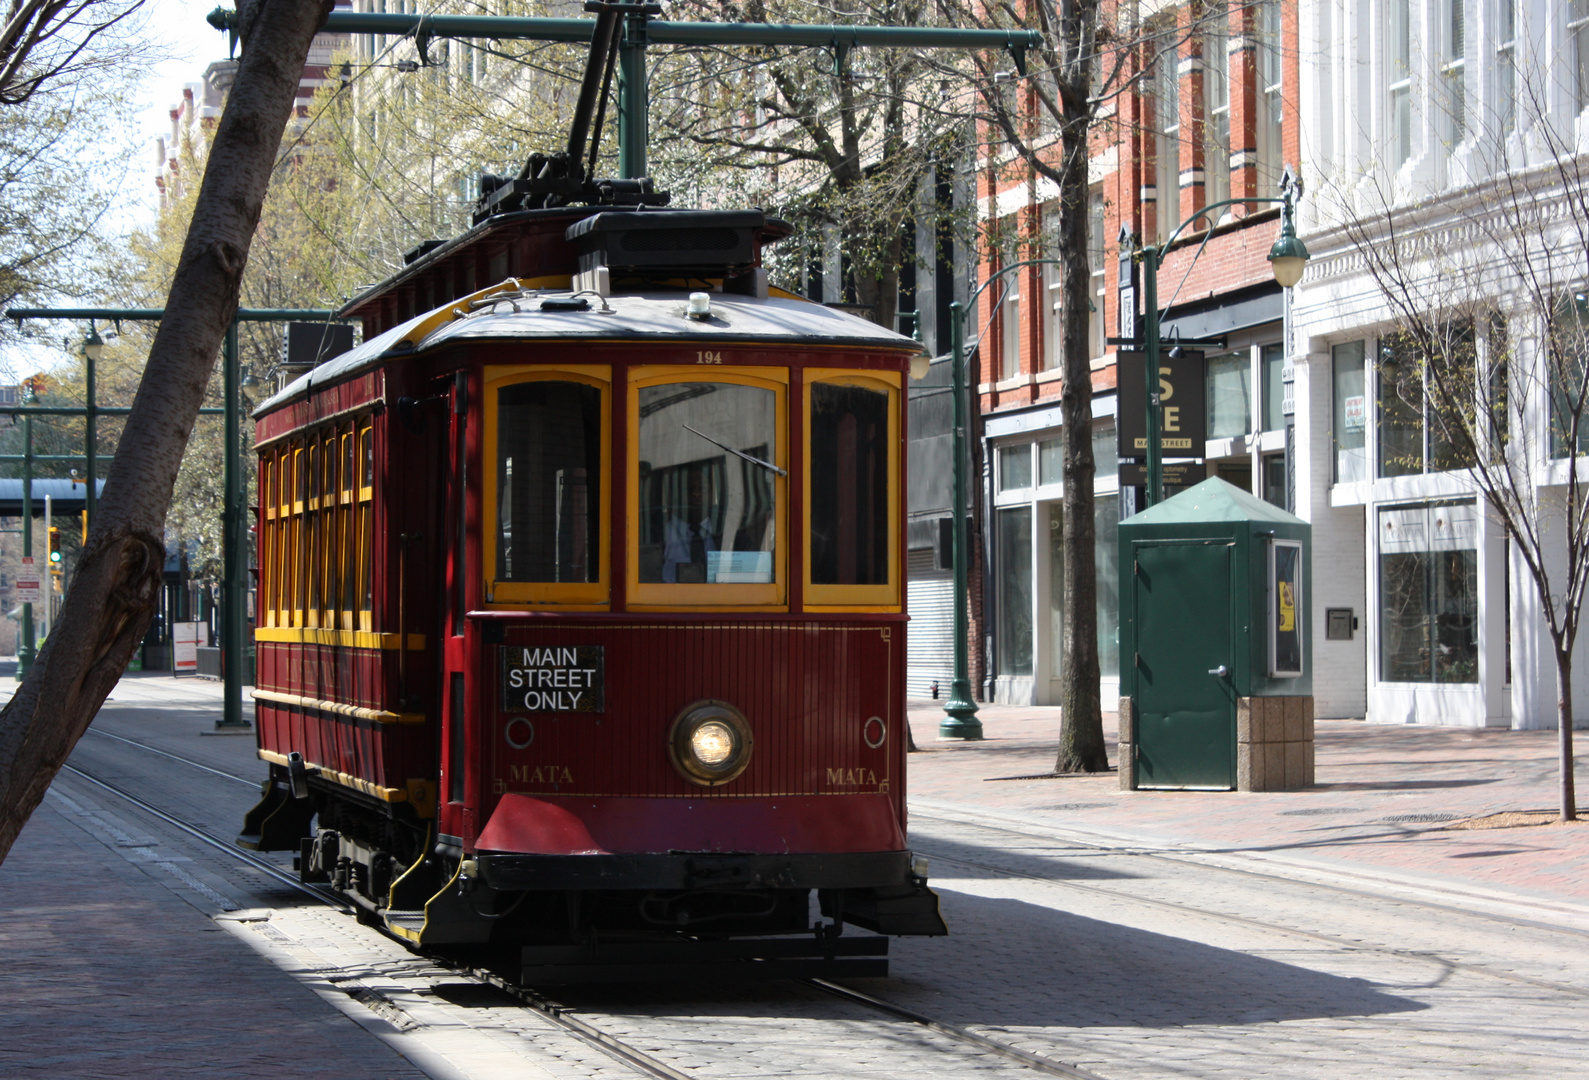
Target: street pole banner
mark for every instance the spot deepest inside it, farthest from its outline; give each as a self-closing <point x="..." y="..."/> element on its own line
<point x="1182" y="426"/>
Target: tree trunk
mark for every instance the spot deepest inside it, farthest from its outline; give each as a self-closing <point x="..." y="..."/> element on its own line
<point x="1569" y="795"/>
<point x="118" y="579"/>
<point x="1081" y="745"/>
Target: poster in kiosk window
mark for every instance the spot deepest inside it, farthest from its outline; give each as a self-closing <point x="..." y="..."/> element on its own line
<point x="1285" y="608"/>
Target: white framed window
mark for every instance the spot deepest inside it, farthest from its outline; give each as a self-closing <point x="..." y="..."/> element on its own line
<point x="1097" y="288"/>
<point x="1010" y="312"/>
<point x="1053" y="292"/>
<point x="1271" y="107"/>
<point x="1216" y="104"/>
<point x="1506" y="65"/>
<point x="1578" y="33"/>
<point x="1454" y="71"/>
<point x="1167" y="93"/>
<point x="1398" y="14"/>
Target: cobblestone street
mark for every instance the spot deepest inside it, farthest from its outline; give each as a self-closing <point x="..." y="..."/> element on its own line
<point x="1340" y="932"/>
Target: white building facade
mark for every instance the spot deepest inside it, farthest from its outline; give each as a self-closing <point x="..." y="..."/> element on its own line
<point x="1445" y="133"/>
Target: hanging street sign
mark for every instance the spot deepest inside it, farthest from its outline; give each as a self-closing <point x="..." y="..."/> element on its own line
<point x="1181" y="405"/>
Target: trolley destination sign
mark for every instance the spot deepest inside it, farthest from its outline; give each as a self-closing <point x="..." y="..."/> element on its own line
<point x="554" y="678"/>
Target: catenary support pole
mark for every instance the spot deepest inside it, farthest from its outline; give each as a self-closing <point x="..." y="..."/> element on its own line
<point x="234" y="524"/>
<point x="90" y="434"/>
<point x="25" y="641"/>
<point x="234" y="548"/>
<point x="633" y="106"/>
<point x="960" y="712"/>
<point x="47" y="579"/>
<point x="1150" y="302"/>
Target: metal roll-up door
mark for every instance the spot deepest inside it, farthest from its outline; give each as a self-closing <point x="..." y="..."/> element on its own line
<point x="929" y="655"/>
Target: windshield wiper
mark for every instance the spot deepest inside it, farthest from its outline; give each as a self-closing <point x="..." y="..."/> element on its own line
<point x="739" y="453"/>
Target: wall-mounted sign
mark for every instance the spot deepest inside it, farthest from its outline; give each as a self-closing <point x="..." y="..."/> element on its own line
<point x="1181" y="404"/>
<point x="554" y="678"/>
<point x="1285" y="608"/>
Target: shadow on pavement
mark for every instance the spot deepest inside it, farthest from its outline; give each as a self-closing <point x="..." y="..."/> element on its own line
<point x="1010" y="962"/>
<point x="1056" y="861"/>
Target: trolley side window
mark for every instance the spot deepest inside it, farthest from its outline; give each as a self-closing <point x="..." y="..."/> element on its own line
<point x="546" y="487"/>
<point x="708" y="488"/>
<point x="366" y="507"/>
<point x="851" y="486"/>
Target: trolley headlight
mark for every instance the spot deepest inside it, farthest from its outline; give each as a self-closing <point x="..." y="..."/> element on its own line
<point x="710" y="743"/>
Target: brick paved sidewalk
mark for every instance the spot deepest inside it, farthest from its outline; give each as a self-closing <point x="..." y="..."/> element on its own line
<point x="1384" y="800"/>
<point x="109" y="973"/>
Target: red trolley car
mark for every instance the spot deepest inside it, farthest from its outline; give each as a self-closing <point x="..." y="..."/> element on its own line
<point x="582" y="630"/>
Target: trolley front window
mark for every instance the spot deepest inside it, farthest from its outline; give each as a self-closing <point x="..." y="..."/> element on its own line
<point x="852" y="498"/>
<point x="546" y="487"/>
<point x="707" y="491"/>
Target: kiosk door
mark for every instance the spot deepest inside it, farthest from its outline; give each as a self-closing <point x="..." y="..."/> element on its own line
<point x="1185" y="700"/>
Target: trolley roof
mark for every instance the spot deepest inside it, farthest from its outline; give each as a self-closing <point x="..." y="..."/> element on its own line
<point x="519" y="316"/>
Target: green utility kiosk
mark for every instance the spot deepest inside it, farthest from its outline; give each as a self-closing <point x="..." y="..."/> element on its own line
<point x="1216" y="678"/>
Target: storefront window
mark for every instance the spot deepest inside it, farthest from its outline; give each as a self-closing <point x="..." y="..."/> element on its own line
<point x="1106" y="523"/>
<point x="1105" y="450"/>
<point x="1429" y="593"/>
<point x="1568" y="351"/>
<point x="1015" y="467"/>
<point x="1272" y="362"/>
<point x="1229" y="395"/>
<point x="1400" y="412"/>
<point x="1015" y="590"/>
<point x="1350" y="424"/>
<point x="1050" y="461"/>
<point x="1056" y="590"/>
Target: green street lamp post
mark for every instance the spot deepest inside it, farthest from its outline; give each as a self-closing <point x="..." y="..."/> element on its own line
<point x="234" y="512"/>
<point x="960" y="711"/>
<point x="1287" y="258"/>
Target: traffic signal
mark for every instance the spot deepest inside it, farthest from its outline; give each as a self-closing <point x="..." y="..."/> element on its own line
<point x="55" y="549"/>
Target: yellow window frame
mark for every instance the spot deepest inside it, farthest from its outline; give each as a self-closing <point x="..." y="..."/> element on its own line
<point x="735" y="596"/>
<point x="298" y="498"/>
<point x="329" y="585"/>
<point x="267" y="543"/>
<point x="365" y="449"/>
<point x="347" y="550"/>
<point x="565" y="596"/>
<point x="855" y="597"/>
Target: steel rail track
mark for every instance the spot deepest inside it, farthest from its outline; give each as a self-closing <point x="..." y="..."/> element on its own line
<point x="1197" y="859"/>
<point x="1258" y="924"/>
<point x="561" y="1015"/>
<point x="175" y="757"/>
<point x="264" y="865"/>
<point x="954" y="1031"/>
